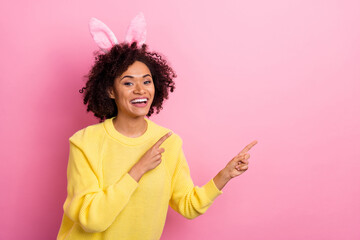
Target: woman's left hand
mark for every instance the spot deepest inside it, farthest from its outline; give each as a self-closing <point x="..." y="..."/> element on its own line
<point x="239" y="164"/>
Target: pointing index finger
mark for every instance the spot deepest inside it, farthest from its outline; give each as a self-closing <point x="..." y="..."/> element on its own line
<point x="162" y="139"/>
<point x="248" y="147"/>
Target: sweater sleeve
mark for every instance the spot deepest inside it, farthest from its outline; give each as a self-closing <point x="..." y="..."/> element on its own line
<point x="87" y="203"/>
<point x="187" y="199"/>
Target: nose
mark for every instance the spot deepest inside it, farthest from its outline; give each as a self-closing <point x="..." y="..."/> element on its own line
<point x="139" y="89"/>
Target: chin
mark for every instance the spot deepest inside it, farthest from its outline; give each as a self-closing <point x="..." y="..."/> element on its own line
<point x="140" y="113"/>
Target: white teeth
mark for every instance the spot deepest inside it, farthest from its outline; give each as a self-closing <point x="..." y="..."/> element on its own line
<point x="139" y="100"/>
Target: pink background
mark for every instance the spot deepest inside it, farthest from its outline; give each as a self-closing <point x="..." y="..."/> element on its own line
<point x="285" y="73"/>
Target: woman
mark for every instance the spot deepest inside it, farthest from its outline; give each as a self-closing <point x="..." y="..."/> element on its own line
<point x="124" y="171"/>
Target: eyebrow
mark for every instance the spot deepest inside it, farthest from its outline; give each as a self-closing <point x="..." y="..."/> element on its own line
<point x="129" y="76"/>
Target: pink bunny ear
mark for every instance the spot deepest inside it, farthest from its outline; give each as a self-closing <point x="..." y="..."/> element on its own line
<point x="137" y="30"/>
<point x="102" y="34"/>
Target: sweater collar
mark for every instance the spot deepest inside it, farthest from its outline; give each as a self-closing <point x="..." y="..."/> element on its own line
<point x="111" y="130"/>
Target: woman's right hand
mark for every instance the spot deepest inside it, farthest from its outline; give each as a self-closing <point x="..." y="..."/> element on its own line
<point x="150" y="160"/>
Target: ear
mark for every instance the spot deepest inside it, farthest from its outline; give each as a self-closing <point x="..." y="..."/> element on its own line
<point x="102" y="34"/>
<point x="137" y="30"/>
<point x="111" y="93"/>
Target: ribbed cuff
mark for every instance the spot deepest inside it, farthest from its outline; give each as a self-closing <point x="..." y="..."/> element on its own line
<point x="127" y="184"/>
<point x="211" y="190"/>
<point x="130" y="180"/>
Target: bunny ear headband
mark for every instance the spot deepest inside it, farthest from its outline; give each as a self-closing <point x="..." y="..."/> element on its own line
<point x="106" y="39"/>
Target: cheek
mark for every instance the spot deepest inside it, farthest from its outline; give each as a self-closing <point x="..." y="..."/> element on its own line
<point x="123" y="101"/>
<point x="123" y="96"/>
<point x="152" y="90"/>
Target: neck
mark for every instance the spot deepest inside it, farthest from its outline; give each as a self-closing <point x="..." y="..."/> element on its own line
<point x="130" y="126"/>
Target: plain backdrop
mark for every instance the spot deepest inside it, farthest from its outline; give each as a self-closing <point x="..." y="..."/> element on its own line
<point x="285" y="73"/>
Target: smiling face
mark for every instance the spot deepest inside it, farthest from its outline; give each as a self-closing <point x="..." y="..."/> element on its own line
<point x="134" y="90"/>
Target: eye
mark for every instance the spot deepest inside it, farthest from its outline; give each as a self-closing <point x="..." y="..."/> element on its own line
<point x="147" y="82"/>
<point x="127" y="83"/>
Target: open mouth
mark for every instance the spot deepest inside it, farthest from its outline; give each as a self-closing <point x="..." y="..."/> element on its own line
<point x="139" y="102"/>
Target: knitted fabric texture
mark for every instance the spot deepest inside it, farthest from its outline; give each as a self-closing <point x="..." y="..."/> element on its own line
<point x="105" y="202"/>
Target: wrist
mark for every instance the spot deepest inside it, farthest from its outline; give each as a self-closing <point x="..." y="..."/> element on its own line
<point x="136" y="172"/>
<point x="221" y="179"/>
<point x="225" y="175"/>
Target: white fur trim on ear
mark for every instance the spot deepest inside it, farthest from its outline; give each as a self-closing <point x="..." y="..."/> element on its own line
<point x="137" y="30"/>
<point x="102" y="34"/>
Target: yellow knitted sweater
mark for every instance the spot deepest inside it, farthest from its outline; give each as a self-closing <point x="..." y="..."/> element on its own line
<point x="105" y="202"/>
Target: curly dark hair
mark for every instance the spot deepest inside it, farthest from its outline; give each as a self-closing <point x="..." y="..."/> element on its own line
<point x="112" y="64"/>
